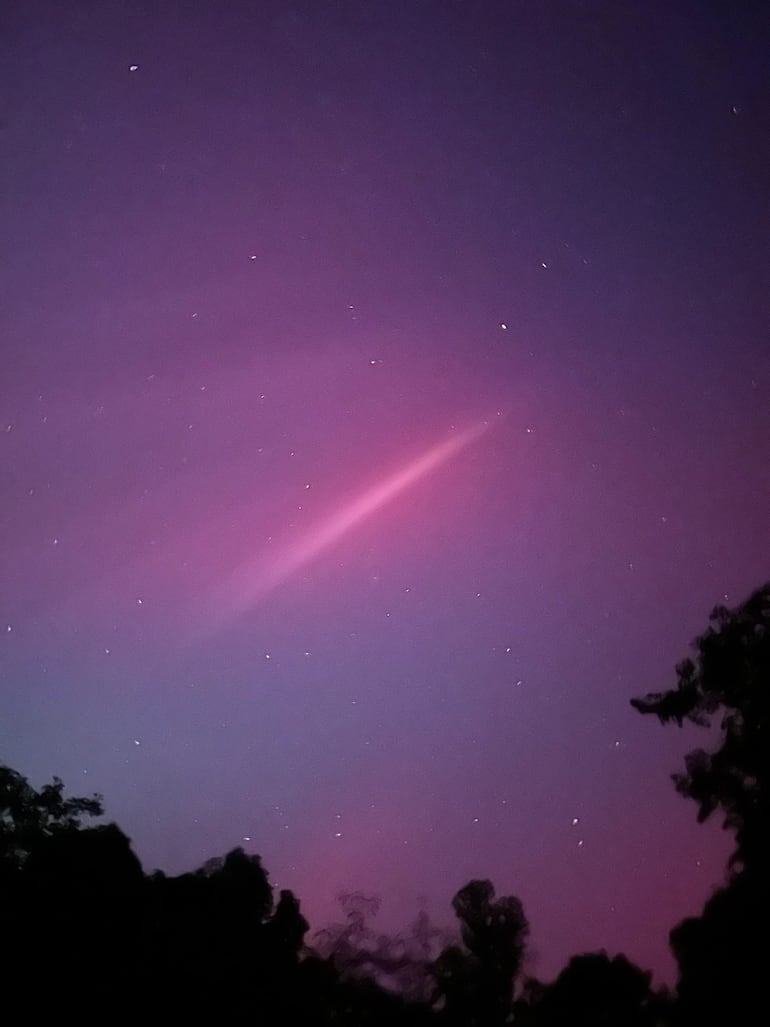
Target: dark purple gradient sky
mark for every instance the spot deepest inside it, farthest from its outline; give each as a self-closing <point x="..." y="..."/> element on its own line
<point x="294" y="249"/>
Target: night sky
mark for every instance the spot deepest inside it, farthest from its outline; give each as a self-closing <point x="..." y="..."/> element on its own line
<point x="385" y="401"/>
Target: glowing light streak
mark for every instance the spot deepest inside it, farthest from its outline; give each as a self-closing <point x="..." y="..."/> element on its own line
<point x="252" y="582"/>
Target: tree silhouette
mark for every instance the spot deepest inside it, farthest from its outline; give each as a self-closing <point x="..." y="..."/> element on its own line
<point x="402" y="962"/>
<point x="80" y="918"/>
<point x="79" y="912"/>
<point x="287" y="927"/>
<point x="595" y="990"/>
<point x="730" y="677"/>
<point x="722" y="955"/>
<point x="477" y="984"/>
<point x="29" y="817"/>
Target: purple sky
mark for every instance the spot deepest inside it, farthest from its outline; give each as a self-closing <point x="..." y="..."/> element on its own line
<point x="259" y="258"/>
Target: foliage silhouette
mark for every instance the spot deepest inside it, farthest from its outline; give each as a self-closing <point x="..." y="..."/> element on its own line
<point x="29" y="817"/>
<point x="722" y="954"/>
<point x="402" y="962"/>
<point x="81" y="917"/>
<point x="592" y="990"/>
<point x="730" y="677"/>
<point x="79" y="914"/>
<point x="476" y="983"/>
<point x="722" y="957"/>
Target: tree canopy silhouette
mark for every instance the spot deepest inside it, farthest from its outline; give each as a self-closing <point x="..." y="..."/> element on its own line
<point x="730" y="677"/>
<point x="80" y="915"/>
<point x="79" y="911"/>
<point x="722" y="954"/>
<point x="593" y="990"/>
<point x="477" y="983"/>
<point x="29" y="817"/>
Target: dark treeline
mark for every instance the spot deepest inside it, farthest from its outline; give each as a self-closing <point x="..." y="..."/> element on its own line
<point x="87" y="935"/>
